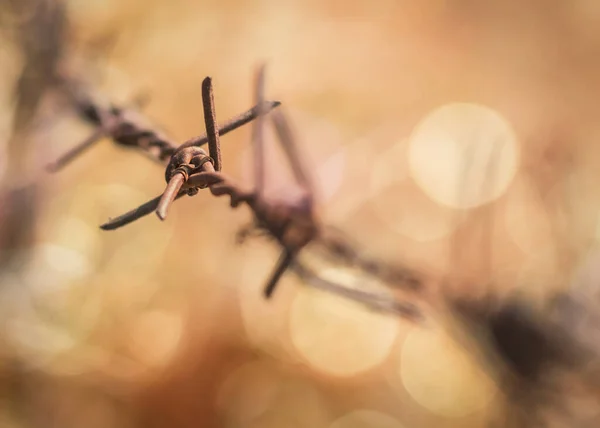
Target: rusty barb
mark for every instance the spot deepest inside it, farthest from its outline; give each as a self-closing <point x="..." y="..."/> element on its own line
<point x="189" y="160"/>
<point x="127" y="127"/>
<point x="190" y="168"/>
<point x="293" y="226"/>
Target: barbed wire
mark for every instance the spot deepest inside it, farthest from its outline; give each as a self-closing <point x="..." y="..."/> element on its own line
<point x="190" y="168"/>
<point x="528" y="344"/>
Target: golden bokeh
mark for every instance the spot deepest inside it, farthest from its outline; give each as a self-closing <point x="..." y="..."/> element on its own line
<point x="463" y="155"/>
<point x="527" y="220"/>
<point x="457" y="139"/>
<point x="248" y="392"/>
<point x="439" y="374"/>
<point x="340" y="337"/>
<point x="155" y="338"/>
<point x="366" y="418"/>
<point x="418" y="217"/>
<point x="390" y="166"/>
<point x="265" y="324"/>
<point x="297" y="403"/>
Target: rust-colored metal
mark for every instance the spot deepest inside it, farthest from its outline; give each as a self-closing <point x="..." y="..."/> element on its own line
<point x="210" y="120"/>
<point x="257" y="137"/>
<point x="292" y="225"/>
<point x="169" y="195"/>
<point x="76" y="151"/>
<point x="128" y="127"/>
<point x="182" y="164"/>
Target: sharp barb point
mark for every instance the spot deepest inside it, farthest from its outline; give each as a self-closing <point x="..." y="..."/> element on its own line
<point x="169" y="195"/>
<point x="285" y="260"/>
<point x="135" y="214"/>
<point x="210" y="122"/>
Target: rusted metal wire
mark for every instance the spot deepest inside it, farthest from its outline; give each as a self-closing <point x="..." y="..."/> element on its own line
<point x="210" y="119"/>
<point x="257" y="138"/>
<point x="183" y="163"/>
<point x="27" y="23"/>
<point x="188" y="160"/>
<point x="293" y="226"/>
<point x="128" y="127"/>
<point x="136" y="213"/>
<point x="515" y="340"/>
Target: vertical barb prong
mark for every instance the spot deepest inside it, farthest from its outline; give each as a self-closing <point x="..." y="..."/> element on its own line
<point x="257" y="132"/>
<point x="210" y="120"/>
<point x="292" y="152"/>
<point x="284" y="262"/>
<point x="169" y="195"/>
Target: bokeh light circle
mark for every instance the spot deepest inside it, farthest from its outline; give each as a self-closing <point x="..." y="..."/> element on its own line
<point x="36" y="342"/>
<point x="74" y="233"/>
<point x="440" y="375"/>
<point x="265" y="321"/>
<point x="364" y="418"/>
<point x="401" y="204"/>
<point x="248" y="392"/>
<point x="52" y="313"/>
<point x="337" y="336"/>
<point x="390" y="166"/>
<point x="541" y="275"/>
<point x="56" y="267"/>
<point x="155" y="337"/>
<point x="527" y="220"/>
<point x="298" y="402"/>
<point x="463" y="155"/>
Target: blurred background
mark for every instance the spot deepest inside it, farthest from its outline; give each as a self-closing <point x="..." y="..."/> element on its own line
<point x="457" y="138"/>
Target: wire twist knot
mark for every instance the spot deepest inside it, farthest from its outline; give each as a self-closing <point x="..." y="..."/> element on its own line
<point x="186" y="162"/>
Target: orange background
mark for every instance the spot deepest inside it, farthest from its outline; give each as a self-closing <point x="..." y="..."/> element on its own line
<point x="162" y="324"/>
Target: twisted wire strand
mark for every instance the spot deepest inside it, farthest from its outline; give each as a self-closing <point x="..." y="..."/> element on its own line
<point x="126" y="127"/>
<point x="185" y="176"/>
